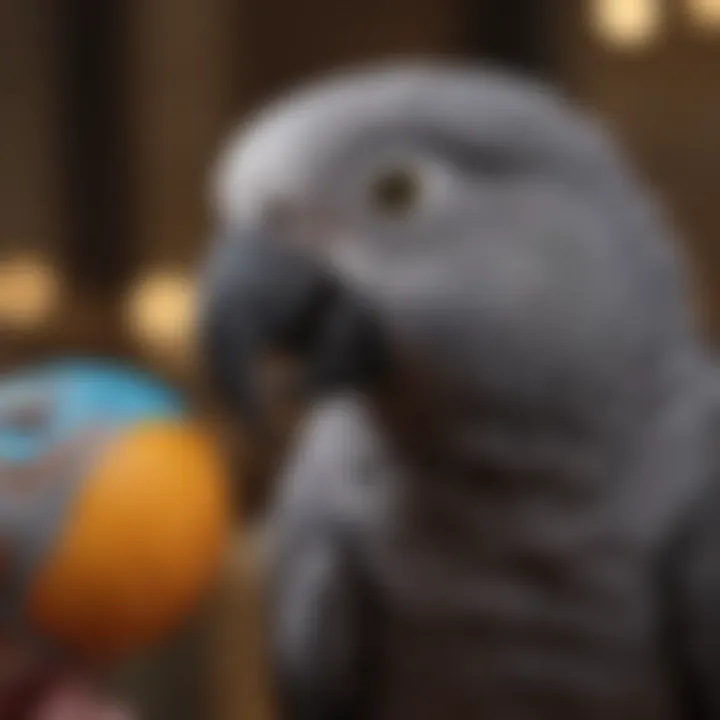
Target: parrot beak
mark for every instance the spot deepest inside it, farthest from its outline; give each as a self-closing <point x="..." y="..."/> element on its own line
<point x="264" y="297"/>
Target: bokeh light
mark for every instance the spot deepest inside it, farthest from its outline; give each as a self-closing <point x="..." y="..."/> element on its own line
<point x="29" y="291"/>
<point x="626" y="24"/>
<point x="161" y="312"/>
<point x="705" y="14"/>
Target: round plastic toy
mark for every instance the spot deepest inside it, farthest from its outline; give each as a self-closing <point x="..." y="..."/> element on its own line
<point x="113" y="507"/>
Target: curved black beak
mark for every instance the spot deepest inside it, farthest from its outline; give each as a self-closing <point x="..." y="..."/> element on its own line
<point x="261" y="297"/>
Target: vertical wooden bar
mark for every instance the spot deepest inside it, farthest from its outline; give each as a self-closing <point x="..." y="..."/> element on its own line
<point x="29" y="204"/>
<point x="240" y="663"/>
<point x="98" y="247"/>
<point x="182" y="71"/>
<point x="513" y="33"/>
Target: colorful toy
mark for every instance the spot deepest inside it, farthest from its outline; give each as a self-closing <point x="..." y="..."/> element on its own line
<point x="113" y="507"/>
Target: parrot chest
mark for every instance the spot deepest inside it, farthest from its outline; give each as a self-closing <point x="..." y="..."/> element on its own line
<point x="530" y="605"/>
<point x="501" y="600"/>
<point x="515" y="620"/>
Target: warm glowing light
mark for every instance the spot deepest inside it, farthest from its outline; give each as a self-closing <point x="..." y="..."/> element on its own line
<point x="705" y="14"/>
<point x="628" y="24"/>
<point x="161" y="311"/>
<point x="29" y="291"/>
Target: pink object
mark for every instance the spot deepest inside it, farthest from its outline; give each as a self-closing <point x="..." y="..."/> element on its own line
<point x="46" y="696"/>
<point x="75" y="702"/>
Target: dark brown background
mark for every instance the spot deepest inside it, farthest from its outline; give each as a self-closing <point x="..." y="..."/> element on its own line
<point x="112" y="111"/>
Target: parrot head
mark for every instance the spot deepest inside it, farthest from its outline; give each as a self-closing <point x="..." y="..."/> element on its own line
<point x="460" y="222"/>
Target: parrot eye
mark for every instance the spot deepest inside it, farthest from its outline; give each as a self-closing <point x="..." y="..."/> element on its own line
<point x="396" y="192"/>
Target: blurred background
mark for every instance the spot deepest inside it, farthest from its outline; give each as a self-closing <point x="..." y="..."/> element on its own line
<point x="112" y="113"/>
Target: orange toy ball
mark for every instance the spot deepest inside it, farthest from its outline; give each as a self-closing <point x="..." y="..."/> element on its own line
<point x="141" y="544"/>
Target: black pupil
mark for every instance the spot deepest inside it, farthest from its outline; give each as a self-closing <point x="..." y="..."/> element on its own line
<point x="396" y="191"/>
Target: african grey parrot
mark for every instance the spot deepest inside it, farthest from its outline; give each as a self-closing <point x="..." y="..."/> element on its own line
<point x="504" y="499"/>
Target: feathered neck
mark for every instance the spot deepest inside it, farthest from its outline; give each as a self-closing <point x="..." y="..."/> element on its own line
<point x="470" y="437"/>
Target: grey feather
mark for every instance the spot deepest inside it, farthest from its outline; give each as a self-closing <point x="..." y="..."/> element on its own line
<point x="545" y="424"/>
